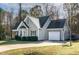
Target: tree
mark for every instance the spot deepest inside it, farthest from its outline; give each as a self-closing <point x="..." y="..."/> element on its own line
<point x="24" y="13"/>
<point x="2" y="35"/>
<point x="70" y="9"/>
<point x="10" y="19"/>
<point x="36" y="11"/>
<point x="20" y="8"/>
<point x="51" y="10"/>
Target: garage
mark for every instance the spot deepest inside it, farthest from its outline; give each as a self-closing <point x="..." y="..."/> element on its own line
<point x="54" y="35"/>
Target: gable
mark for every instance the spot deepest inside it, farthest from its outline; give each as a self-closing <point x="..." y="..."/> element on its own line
<point x="39" y="21"/>
<point x="22" y="25"/>
<point x="34" y="20"/>
<point x="57" y="23"/>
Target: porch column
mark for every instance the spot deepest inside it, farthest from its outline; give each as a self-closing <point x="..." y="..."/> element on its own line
<point x="63" y="35"/>
<point x="38" y="34"/>
<point x="27" y="32"/>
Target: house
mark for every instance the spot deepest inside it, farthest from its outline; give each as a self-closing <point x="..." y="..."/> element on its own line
<point x="43" y="27"/>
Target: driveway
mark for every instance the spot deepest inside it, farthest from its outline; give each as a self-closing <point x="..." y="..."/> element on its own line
<point x="34" y="44"/>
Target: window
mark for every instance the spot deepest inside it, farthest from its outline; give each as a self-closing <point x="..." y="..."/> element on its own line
<point x="33" y="33"/>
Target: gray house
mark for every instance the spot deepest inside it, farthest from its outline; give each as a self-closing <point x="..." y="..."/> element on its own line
<point x="43" y="27"/>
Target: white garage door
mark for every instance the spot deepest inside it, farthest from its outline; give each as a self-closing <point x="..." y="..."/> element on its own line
<point x="54" y="35"/>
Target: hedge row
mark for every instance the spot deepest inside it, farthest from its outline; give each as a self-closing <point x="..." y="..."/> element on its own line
<point x="29" y="38"/>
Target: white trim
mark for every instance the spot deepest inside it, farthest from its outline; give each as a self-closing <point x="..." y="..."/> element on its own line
<point x="14" y="30"/>
<point x="27" y="32"/>
<point x="34" y="20"/>
<point x="21" y="25"/>
<point x="63" y="35"/>
<point x="56" y="29"/>
<point x="47" y="23"/>
<point x="38" y="34"/>
<point x="59" y="32"/>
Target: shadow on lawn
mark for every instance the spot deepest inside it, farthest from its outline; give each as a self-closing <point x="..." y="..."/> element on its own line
<point x="10" y="42"/>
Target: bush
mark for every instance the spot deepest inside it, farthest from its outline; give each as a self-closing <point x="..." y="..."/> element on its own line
<point x="18" y="38"/>
<point x="24" y="39"/>
<point x="29" y="38"/>
<point x="32" y="38"/>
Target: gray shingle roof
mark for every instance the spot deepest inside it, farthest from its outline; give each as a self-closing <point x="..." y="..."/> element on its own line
<point x="42" y="20"/>
<point x="25" y="24"/>
<point x="57" y="23"/>
<point x="16" y="25"/>
<point x="22" y="27"/>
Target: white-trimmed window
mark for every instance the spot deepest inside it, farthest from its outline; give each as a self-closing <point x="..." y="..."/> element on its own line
<point x="33" y="33"/>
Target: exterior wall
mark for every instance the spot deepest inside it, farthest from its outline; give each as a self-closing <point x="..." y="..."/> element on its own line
<point x="32" y="27"/>
<point x="61" y="33"/>
<point x="42" y="34"/>
<point x="32" y="19"/>
<point x="24" y="32"/>
<point x="13" y="34"/>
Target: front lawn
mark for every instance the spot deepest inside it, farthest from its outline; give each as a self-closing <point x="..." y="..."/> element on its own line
<point x="46" y="50"/>
<point x="9" y="42"/>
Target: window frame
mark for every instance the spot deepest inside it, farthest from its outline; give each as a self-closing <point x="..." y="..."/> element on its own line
<point x="33" y="33"/>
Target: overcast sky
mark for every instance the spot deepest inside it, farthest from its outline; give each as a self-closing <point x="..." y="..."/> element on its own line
<point x="27" y="7"/>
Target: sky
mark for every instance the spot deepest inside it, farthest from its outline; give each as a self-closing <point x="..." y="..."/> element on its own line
<point x="27" y="6"/>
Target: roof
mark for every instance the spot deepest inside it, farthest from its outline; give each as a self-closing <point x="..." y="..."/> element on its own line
<point x="25" y="24"/>
<point x="57" y="23"/>
<point x="22" y="27"/>
<point x="17" y="24"/>
<point x="42" y="20"/>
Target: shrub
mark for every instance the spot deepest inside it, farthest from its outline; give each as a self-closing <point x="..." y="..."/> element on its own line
<point x="24" y="39"/>
<point x="18" y="38"/>
<point x="29" y="38"/>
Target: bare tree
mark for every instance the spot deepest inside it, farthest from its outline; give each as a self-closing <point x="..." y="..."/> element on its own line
<point x="2" y="36"/>
<point x="67" y="8"/>
<point x="51" y="10"/>
<point x="11" y="18"/>
<point x="20" y="8"/>
<point x="36" y="11"/>
<point x="70" y="8"/>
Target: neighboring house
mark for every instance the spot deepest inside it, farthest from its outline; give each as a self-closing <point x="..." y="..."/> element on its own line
<point x="42" y="27"/>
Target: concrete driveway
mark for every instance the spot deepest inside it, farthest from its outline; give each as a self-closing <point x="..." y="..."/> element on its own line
<point x="34" y="44"/>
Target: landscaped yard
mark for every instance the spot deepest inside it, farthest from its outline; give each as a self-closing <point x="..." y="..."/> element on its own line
<point x="46" y="50"/>
<point x="9" y="42"/>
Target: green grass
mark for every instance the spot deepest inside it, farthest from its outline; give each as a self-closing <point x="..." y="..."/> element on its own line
<point x="10" y="42"/>
<point x="46" y="50"/>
